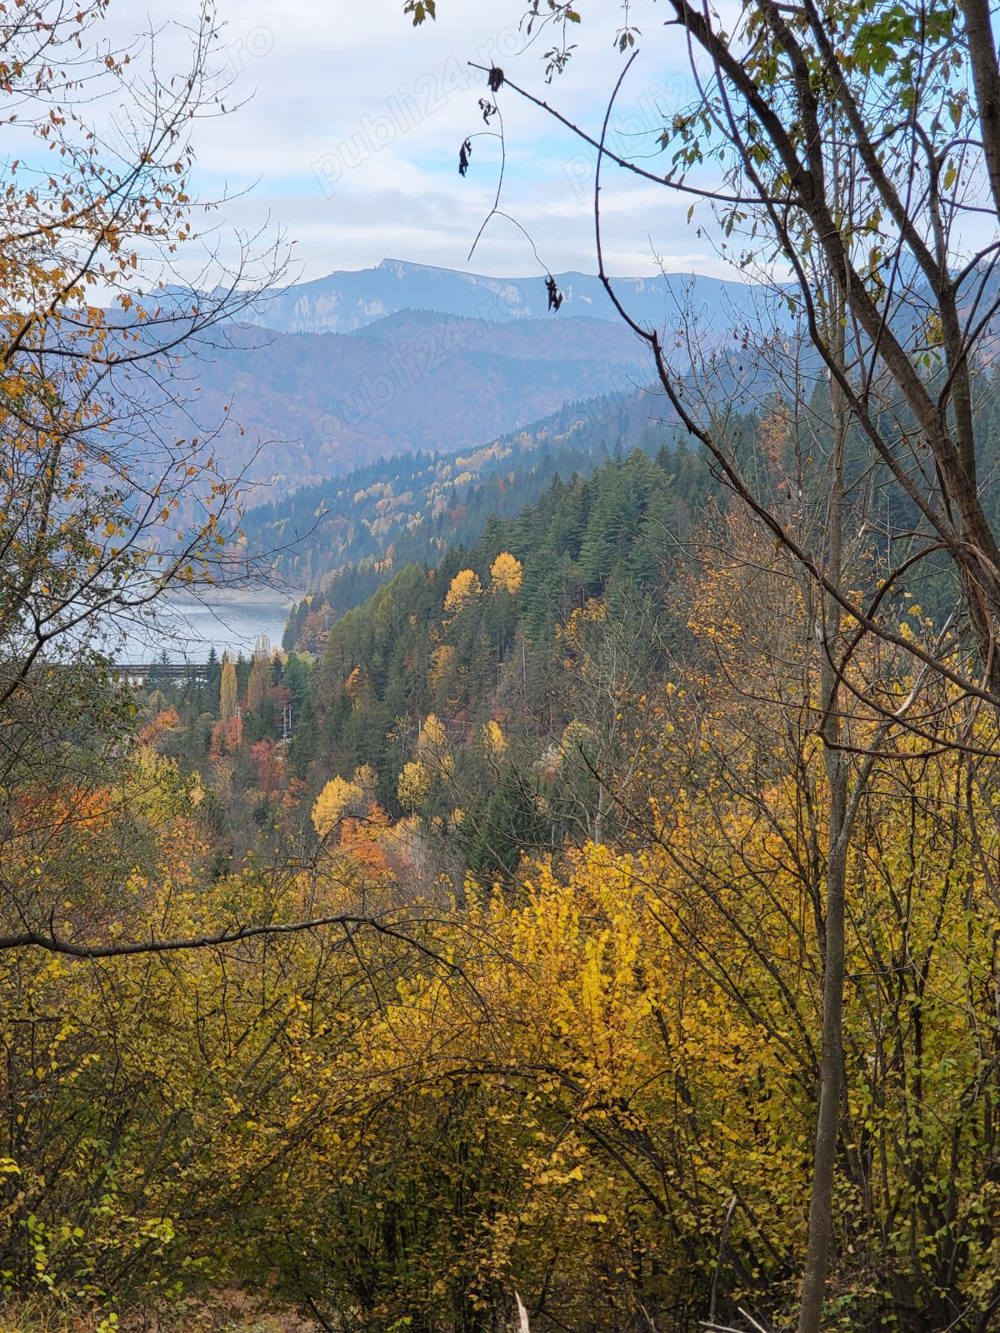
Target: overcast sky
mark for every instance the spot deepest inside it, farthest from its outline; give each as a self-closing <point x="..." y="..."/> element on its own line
<point x="350" y="135"/>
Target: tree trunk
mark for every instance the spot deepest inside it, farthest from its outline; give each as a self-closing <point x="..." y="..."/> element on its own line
<point x="831" y="1078"/>
<point x="831" y="1074"/>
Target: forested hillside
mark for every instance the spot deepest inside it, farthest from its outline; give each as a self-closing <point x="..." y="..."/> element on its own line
<point x="346" y="537"/>
<point x="480" y="643"/>
<point x="579" y="758"/>
<point x="343" y="537"/>
<point x="292" y="409"/>
<point x="476" y="640"/>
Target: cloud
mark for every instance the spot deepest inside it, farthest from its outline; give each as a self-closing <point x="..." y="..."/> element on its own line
<point x="349" y="125"/>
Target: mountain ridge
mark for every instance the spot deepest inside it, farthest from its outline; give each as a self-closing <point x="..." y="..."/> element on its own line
<point x="349" y="299"/>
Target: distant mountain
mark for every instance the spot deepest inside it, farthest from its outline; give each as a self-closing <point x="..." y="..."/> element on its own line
<point x="349" y="300"/>
<point x="405" y="357"/>
<point x="322" y="404"/>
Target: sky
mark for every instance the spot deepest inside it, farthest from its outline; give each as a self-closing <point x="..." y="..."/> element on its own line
<point x="347" y="134"/>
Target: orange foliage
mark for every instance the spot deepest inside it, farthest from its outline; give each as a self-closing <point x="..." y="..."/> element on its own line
<point x="165" y="720"/>
<point x="226" y="737"/>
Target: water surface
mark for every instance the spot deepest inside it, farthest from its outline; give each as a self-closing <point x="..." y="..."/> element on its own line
<point x="187" y="628"/>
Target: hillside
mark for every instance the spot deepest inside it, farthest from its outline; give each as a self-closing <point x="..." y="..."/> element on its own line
<point x="412" y="507"/>
<point x="405" y="358"/>
<point x="478" y="633"/>
<point x="454" y="641"/>
<point x="294" y="408"/>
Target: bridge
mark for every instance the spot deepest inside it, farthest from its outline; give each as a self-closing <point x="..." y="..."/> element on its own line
<point x="138" y="673"/>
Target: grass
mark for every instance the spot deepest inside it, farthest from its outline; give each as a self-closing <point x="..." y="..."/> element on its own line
<point x="226" y="1311"/>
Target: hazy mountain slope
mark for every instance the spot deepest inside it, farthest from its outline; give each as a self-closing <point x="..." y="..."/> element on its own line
<point x="323" y="403"/>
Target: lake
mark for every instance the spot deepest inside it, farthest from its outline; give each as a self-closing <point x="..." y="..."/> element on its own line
<point x="187" y="628"/>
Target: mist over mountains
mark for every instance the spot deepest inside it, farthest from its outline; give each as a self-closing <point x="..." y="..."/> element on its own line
<point x="297" y="408"/>
<point x="323" y="377"/>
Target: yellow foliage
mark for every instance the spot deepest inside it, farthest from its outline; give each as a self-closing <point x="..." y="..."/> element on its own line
<point x="336" y="799"/>
<point x="593" y="612"/>
<point x="464" y="588"/>
<point x="413" y="785"/>
<point x="154" y="788"/>
<point x="227" y="689"/>
<point x="577" y="739"/>
<point x="494" y="742"/>
<point x="442" y="662"/>
<point x="571" y="1084"/>
<point x="432" y="734"/>
<point x="506" y="572"/>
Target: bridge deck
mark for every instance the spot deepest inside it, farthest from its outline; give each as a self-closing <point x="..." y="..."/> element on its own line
<point x="141" y="671"/>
